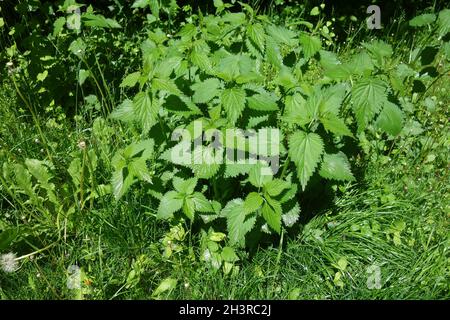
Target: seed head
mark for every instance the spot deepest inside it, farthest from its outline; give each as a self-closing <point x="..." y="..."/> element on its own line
<point x="8" y="262"/>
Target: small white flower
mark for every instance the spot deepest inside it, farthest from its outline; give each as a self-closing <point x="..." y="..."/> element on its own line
<point x="8" y="262"/>
<point x="36" y="141"/>
<point x="186" y="285"/>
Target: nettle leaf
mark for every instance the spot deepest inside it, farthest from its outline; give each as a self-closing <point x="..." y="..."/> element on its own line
<point x="379" y="50"/>
<point x="146" y="110"/>
<point x="271" y="212"/>
<point x="258" y="175"/>
<point x="305" y="150"/>
<point x="335" y="125"/>
<point x="422" y="20"/>
<point x="125" y="112"/>
<point x="282" y="35"/>
<point x="444" y="22"/>
<point x="184" y="186"/>
<point x="206" y="90"/>
<point x="253" y="202"/>
<point x="98" y="20"/>
<point x="336" y="167"/>
<point x="291" y="217"/>
<point x="238" y="222"/>
<point x="130" y="163"/>
<point x="205" y="165"/>
<point x="368" y="97"/>
<point x="233" y="101"/>
<point x="189" y="208"/>
<point x="276" y="186"/>
<point x="238" y="67"/>
<point x="310" y="45"/>
<point x="202" y="204"/>
<point x="257" y="35"/>
<point x="273" y="54"/>
<point x="170" y="203"/>
<point x="263" y="102"/>
<point x="130" y="80"/>
<point x="236" y="168"/>
<point x="390" y="119"/>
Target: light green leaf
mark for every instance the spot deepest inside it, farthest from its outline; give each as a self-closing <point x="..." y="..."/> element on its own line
<point x="170" y="203"/>
<point x="206" y="90"/>
<point x="335" y="125"/>
<point x="271" y="212"/>
<point x="184" y="186"/>
<point x="263" y="102"/>
<point x="337" y="167"/>
<point x="145" y="110"/>
<point x="252" y="202"/>
<point x="130" y="80"/>
<point x="422" y="20"/>
<point x="368" y="97"/>
<point x="390" y="119"/>
<point x="305" y="150"/>
<point x="276" y="186"/>
<point x="233" y="101"/>
<point x="167" y="284"/>
<point x="238" y="223"/>
<point x="310" y="45"/>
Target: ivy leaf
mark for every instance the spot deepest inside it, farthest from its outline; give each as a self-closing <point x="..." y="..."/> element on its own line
<point x="336" y="166"/>
<point x="390" y="119"/>
<point x="238" y="222"/>
<point x="170" y="203"/>
<point x="233" y="101"/>
<point x="368" y="96"/>
<point x="305" y="150"/>
<point x="271" y="212"/>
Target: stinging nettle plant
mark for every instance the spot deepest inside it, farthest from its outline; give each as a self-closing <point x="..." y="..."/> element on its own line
<point x="239" y="71"/>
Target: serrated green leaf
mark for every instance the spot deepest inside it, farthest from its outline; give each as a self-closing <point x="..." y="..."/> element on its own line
<point x="271" y="212"/>
<point x="252" y="202"/>
<point x="189" y="208"/>
<point x="206" y="90"/>
<point x="291" y="217"/>
<point x="310" y="45"/>
<point x="276" y="186"/>
<point x="335" y="125"/>
<point x="233" y="101"/>
<point x="238" y="222"/>
<point x="145" y="110"/>
<point x="336" y="167"/>
<point x="130" y="80"/>
<point x="170" y="203"/>
<point x="390" y="119"/>
<point x="368" y="97"/>
<point x="305" y="150"/>
<point x="263" y="102"/>
<point x="184" y="186"/>
<point x="422" y="20"/>
<point x="124" y="112"/>
<point x="257" y="35"/>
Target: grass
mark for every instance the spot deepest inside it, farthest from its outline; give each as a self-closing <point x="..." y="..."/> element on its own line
<point x="394" y="221"/>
